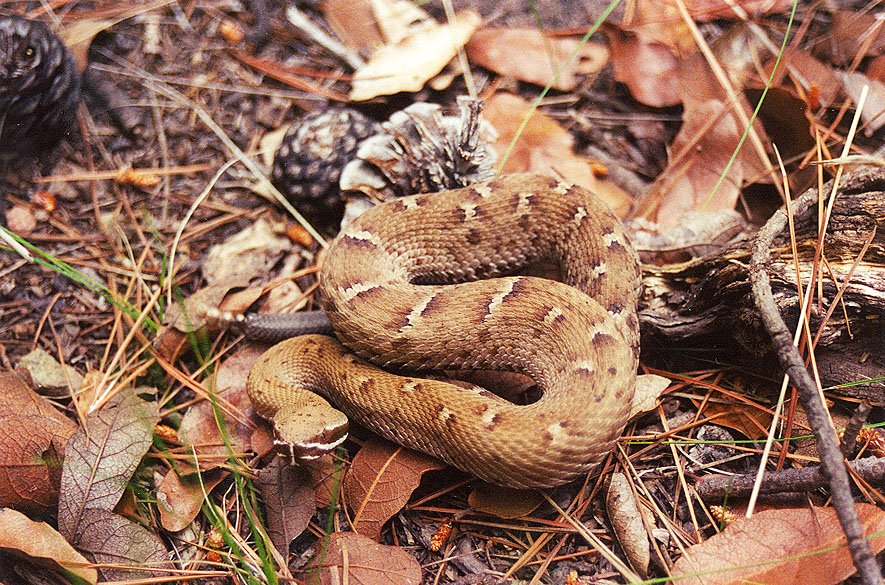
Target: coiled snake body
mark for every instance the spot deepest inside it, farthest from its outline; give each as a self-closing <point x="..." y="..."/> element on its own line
<point x="414" y="285"/>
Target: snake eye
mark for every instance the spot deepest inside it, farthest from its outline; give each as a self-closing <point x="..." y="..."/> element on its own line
<point x="30" y="52"/>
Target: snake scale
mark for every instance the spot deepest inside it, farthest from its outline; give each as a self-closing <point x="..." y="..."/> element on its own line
<point x="417" y="284"/>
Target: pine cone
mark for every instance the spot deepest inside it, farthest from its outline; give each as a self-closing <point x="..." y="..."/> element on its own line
<point x="308" y="163"/>
<point x="39" y="87"/>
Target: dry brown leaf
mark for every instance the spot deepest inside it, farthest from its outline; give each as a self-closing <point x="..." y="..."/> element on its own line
<point x="179" y="499"/>
<point x="707" y="10"/>
<point x="647" y="68"/>
<point x="626" y="518"/>
<point x="353" y="558"/>
<point x="660" y="22"/>
<point x="749" y="420"/>
<point x="820" y="77"/>
<point x="545" y="147"/>
<point x="528" y="54"/>
<point x="41" y="543"/>
<point x="29" y="462"/>
<point x="199" y="428"/>
<point x="407" y="65"/>
<point x="850" y="32"/>
<point x="702" y="149"/>
<point x="102" y="456"/>
<point x="48" y="376"/>
<point x="125" y="550"/>
<point x="289" y="500"/>
<point x="779" y="546"/>
<point x="33" y="435"/>
<point x="247" y="255"/>
<point x="326" y="474"/>
<point x="380" y="481"/>
<point x="353" y="21"/>
<point x="504" y="502"/>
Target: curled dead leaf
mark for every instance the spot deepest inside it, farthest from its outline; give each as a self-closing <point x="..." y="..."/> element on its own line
<point x="125" y="550"/>
<point x="179" y="500"/>
<point x="647" y="68"/>
<point x="33" y="434"/>
<point x="410" y="63"/>
<point x="40" y="542"/>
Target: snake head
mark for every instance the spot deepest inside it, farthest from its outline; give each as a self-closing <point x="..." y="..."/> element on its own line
<point x="310" y="433"/>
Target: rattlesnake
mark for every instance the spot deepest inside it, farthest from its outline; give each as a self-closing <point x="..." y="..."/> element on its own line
<point x="414" y="284"/>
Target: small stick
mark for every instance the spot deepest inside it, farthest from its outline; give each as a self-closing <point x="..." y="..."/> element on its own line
<point x="715" y="488"/>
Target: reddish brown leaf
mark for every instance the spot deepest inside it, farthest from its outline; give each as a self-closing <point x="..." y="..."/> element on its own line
<point x="380" y="481"/>
<point x="326" y="475"/>
<point x="625" y="515"/>
<point x="348" y="557"/>
<point x="41" y="543"/>
<point x="530" y="55"/>
<point x="17" y="397"/>
<point x="747" y="419"/>
<point x="647" y="68"/>
<point x="545" y="147"/>
<point x="707" y="10"/>
<point x="121" y="546"/>
<point x="179" y="499"/>
<point x="102" y="456"/>
<point x="30" y="465"/>
<point x="199" y="428"/>
<point x="32" y="439"/>
<point x="354" y="23"/>
<point x="818" y="75"/>
<point x="850" y="33"/>
<point x="780" y="546"/>
<point x="289" y="499"/>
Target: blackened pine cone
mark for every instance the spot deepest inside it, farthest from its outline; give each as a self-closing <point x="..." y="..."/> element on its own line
<point x="308" y="163"/>
<point x="39" y="87"/>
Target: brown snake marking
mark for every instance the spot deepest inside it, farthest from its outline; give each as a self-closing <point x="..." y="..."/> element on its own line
<point x="400" y="288"/>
